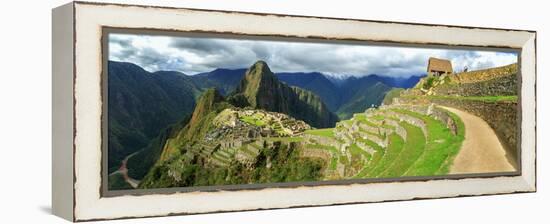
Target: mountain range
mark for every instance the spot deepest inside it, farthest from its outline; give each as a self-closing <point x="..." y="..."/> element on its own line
<point x="142" y="104"/>
<point x="342" y="96"/>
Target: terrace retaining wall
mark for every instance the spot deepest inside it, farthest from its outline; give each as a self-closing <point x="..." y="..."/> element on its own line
<point x="501" y="86"/>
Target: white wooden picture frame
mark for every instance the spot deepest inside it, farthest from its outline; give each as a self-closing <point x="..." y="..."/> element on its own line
<point x="77" y="110"/>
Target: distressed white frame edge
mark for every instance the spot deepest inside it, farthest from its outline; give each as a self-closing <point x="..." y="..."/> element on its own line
<point x="62" y="112"/>
<point x="90" y="18"/>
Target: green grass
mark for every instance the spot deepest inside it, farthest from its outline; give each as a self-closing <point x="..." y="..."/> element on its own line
<point x="412" y="150"/>
<point x="378" y="117"/>
<point x="221" y="157"/>
<point x="253" y="121"/>
<point x="441" y="144"/>
<point x="285" y="139"/>
<point x="454" y="148"/>
<point x="417" y="155"/>
<point x="255" y="146"/>
<point x="349" y="122"/>
<point x="363" y="119"/>
<point x="360" y="117"/>
<point x="247" y="151"/>
<point x="429" y="82"/>
<point x="395" y="147"/>
<point x="344" y="160"/>
<point x="387" y="126"/>
<point x="355" y="150"/>
<point x="357" y="157"/>
<point x="325" y="132"/>
<point x="370" y="132"/>
<point x="376" y="157"/>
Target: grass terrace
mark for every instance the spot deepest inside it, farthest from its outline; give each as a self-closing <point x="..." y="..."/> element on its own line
<point x="413" y="148"/>
<point x="363" y="119"/>
<point x="285" y="139"/>
<point x="376" y="157"/>
<point x="253" y="120"/>
<point x="325" y="132"/>
<point x="394" y="149"/>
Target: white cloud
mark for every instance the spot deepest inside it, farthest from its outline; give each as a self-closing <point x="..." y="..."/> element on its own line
<point x="196" y="55"/>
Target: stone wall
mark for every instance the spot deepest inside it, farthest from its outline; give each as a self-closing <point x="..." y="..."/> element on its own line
<point x="323" y="140"/>
<point x="365" y="147"/>
<point x="444" y="117"/>
<point x="367" y="127"/>
<point x="407" y="118"/>
<point x="382" y="142"/>
<point x="501" y="86"/>
<point x="433" y="111"/>
<point x="245" y="159"/>
<point x="315" y="153"/>
<point x="401" y="132"/>
<point x="386" y="131"/>
<point x="485" y="74"/>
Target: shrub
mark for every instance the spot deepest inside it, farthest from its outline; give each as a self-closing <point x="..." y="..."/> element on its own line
<point x="429" y="82"/>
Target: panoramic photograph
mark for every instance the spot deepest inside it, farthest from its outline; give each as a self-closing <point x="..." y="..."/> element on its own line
<point x="197" y="111"/>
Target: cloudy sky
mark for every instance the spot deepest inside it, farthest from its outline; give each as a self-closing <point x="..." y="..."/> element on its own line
<point x="196" y="55"/>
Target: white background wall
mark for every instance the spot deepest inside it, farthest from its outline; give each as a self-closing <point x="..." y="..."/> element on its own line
<point x="25" y="112"/>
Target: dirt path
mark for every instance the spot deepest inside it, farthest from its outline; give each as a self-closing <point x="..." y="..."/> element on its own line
<point x="481" y="150"/>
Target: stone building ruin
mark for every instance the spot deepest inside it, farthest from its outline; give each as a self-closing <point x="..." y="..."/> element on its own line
<point x="438" y="67"/>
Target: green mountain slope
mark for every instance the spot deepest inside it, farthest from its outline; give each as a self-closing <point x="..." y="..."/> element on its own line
<point x="317" y="83"/>
<point x="363" y="98"/>
<point x="200" y="153"/>
<point x="224" y="80"/>
<point x="140" y="105"/>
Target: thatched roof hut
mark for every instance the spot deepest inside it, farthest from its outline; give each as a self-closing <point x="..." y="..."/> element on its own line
<point x="438" y="66"/>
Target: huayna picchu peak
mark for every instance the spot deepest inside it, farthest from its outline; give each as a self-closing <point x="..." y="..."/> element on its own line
<point x="261" y="89"/>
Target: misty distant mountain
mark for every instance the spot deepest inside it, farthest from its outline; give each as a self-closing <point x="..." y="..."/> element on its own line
<point x="399" y="82"/>
<point x="342" y="96"/>
<point x="224" y="80"/>
<point x="317" y="83"/>
<point x="359" y="94"/>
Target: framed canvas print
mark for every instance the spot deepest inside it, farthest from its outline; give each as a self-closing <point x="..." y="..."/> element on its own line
<point x="163" y="111"/>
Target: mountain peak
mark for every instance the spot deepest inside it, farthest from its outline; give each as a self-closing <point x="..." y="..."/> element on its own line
<point x="259" y="69"/>
<point x="257" y="80"/>
<point x="260" y="63"/>
<point x="261" y="89"/>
